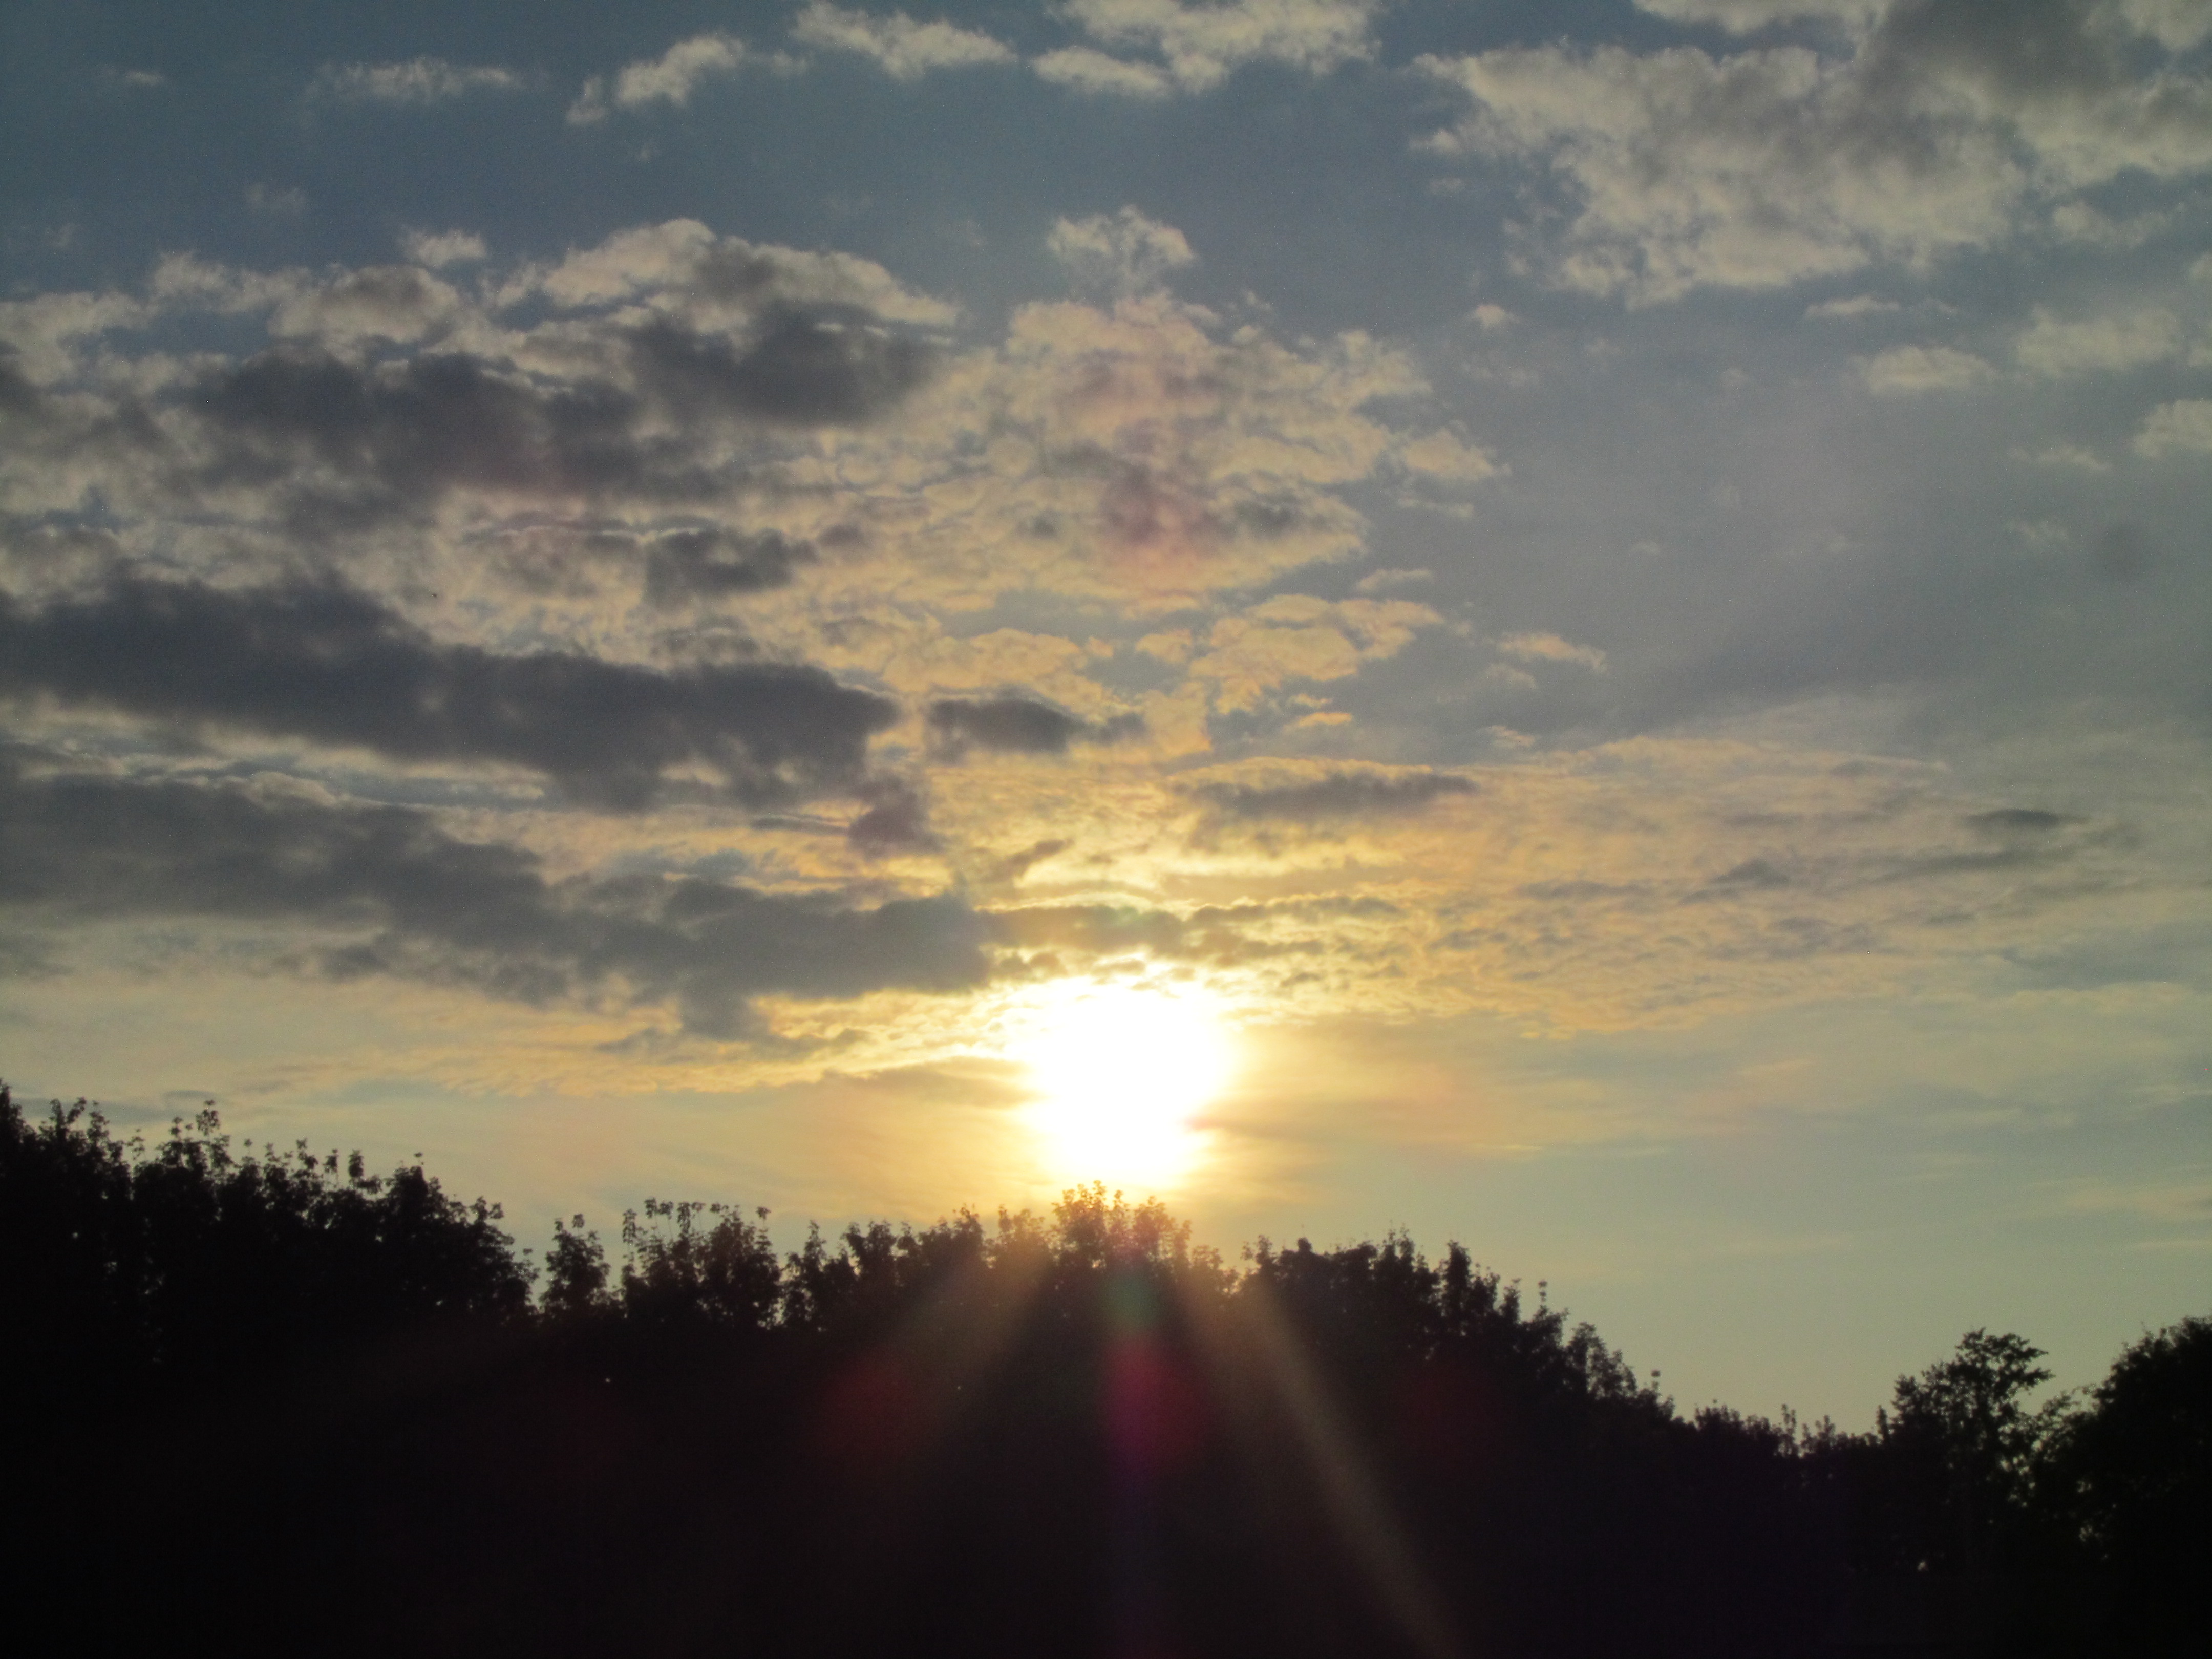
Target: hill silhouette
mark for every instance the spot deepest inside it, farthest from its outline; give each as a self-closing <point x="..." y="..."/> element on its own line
<point x="273" y="1401"/>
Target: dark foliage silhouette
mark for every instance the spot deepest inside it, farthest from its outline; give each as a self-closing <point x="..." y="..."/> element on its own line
<point x="264" y="1398"/>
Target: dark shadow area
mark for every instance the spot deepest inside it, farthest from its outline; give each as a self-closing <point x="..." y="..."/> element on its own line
<point x="266" y="1402"/>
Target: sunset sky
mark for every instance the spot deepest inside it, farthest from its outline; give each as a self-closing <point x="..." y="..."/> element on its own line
<point x="1586" y="627"/>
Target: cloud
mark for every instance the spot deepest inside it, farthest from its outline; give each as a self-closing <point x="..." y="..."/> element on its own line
<point x="331" y="665"/>
<point x="1200" y="46"/>
<point x="1938" y="129"/>
<point x="681" y="566"/>
<point x="407" y="899"/>
<point x="905" y="50"/>
<point x="896" y="821"/>
<point x="2052" y="346"/>
<point x="1749" y="16"/>
<point x="1908" y="370"/>
<point x="1443" y="456"/>
<point x="1294" y="637"/>
<point x="439" y="249"/>
<point x="1089" y="70"/>
<point x="1019" y="726"/>
<point x="670" y="78"/>
<point x="418" y="80"/>
<point x="1120" y="253"/>
<point x="548" y="425"/>
<point x="1549" y="648"/>
<point x="2183" y="427"/>
<point x="1373" y="793"/>
<point x="1849" y="310"/>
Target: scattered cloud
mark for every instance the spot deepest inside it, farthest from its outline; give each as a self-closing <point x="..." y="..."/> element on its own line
<point x="1909" y="370"/>
<point x="1933" y="130"/>
<point x="324" y="663"/>
<point x="1193" y="48"/>
<point x="1019" y="726"/>
<point x="2052" y="345"/>
<point x="670" y="78"/>
<point x="903" y="49"/>
<point x="285" y="202"/>
<point x="393" y="893"/>
<point x="1119" y="254"/>
<point x="418" y="80"/>
<point x="1549" y="648"/>
<point x="1371" y="792"/>
<point x="1859" y="305"/>
<point x="440" y="249"/>
<point x="1087" y="69"/>
<point x="2183" y="427"/>
<point x="2065" y="455"/>
<point x="1443" y="456"/>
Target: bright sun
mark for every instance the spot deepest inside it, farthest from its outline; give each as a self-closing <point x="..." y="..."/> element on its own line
<point x="1119" y="1074"/>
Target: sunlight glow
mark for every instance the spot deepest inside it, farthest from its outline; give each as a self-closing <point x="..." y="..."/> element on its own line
<point x="1120" y="1073"/>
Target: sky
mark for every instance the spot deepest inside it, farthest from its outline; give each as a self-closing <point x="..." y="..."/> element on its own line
<point x="1579" y="627"/>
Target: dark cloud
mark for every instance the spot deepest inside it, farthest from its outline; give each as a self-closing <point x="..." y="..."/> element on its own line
<point x="431" y="906"/>
<point x="324" y="663"/>
<point x="819" y="365"/>
<point x="2018" y="820"/>
<point x="1014" y="865"/>
<point x="1098" y="930"/>
<point x="1752" y="874"/>
<point x="353" y="441"/>
<point x="1019" y="726"/>
<point x="896" y="821"/>
<point x="684" y="565"/>
<point x="1337" y="795"/>
<point x="364" y="441"/>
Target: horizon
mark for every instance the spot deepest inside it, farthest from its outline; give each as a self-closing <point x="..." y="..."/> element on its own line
<point x="1578" y="630"/>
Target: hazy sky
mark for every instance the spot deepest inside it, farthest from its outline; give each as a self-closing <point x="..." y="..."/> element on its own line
<point x="1609" y="603"/>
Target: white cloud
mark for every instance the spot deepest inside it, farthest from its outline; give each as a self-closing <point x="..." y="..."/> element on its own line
<point x="1749" y="16"/>
<point x="906" y="50"/>
<point x="1549" y="648"/>
<point x="1200" y="45"/>
<point x="1442" y="456"/>
<point x="1487" y="317"/>
<point x="670" y="78"/>
<point x="2067" y="455"/>
<point x="418" y="80"/>
<point x="2183" y="427"/>
<point x="1088" y="69"/>
<point x="1938" y="130"/>
<point x="452" y="247"/>
<point x="2052" y="346"/>
<point x="2177" y="25"/>
<point x="268" y="198"/>
<point x="1120" y="253"/>
<point x="1859" y="305"/>
<point x="1909" y="369"/>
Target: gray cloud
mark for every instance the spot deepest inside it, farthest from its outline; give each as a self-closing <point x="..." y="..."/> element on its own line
<point x="1335" y="796"/>
<point x="1019" y="726"/>
<point x="684" y="565"/>
<point x="819" y="365"/>
<point x="434" y="908"/>
<point x="324" y="663"/>
<point x="896" y="820"/>
<point x="1932" y="134"/>
<point x="360" y="442"/>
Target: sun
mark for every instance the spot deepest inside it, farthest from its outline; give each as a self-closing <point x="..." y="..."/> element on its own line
<point x="1120" y="1074"/>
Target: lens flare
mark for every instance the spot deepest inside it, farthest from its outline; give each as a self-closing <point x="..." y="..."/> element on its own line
<point x="1120" y="1075"/>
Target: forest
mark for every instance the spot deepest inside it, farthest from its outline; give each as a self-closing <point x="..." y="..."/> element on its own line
<point x="271" y="1400"/>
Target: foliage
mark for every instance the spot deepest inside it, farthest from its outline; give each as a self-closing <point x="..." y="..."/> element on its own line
<point x="1073" y="1433"/>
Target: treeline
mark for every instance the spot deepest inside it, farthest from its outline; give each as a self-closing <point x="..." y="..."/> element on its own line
<point x="264" y="1398"/>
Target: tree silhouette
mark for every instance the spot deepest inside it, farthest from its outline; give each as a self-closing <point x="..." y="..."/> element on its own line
<point x="276" y="1400"/>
